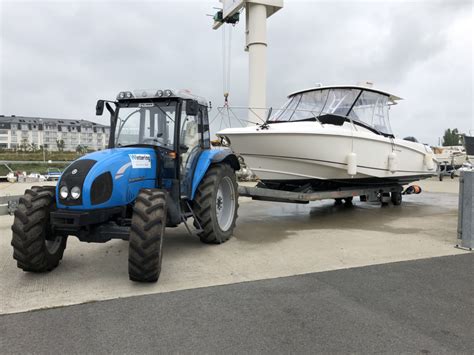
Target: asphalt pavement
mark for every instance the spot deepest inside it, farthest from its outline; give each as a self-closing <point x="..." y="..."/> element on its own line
<point x="423" y="306"/>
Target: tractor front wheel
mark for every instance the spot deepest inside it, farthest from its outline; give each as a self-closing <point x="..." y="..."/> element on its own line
<point x="35" y="248"/>
<point x="216" y="204"/>
<point x="146" y="236"/>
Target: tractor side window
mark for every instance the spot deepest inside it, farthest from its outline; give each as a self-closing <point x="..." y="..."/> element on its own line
<point x="189" y="146"/>
<point x="204" y="124"/>
<point x="129" y="127"/>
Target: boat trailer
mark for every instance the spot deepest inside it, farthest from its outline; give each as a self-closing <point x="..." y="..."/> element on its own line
<point x="381" y="193"/>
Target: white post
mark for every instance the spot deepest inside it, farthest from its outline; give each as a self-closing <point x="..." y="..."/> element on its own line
<point x="257" y="47"/>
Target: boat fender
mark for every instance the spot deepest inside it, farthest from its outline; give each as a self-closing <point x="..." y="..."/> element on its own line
<point x="352" y="164"/>
<point x="429" y="161"/>
<point x="392" y="162"/>
<point x="412" y="189"/>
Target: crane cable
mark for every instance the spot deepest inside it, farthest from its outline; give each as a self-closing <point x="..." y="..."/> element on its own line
<point x="226" y="62"/>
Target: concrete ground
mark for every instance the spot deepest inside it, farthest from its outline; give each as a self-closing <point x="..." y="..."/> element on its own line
<point x="271" y="240"/>
<point x="11" y="189"/>
<point x="413" y="307"/>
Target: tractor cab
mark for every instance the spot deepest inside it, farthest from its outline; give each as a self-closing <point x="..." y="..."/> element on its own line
<point x="174" y="123"/>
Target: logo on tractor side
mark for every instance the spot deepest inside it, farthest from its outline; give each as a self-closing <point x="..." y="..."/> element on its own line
<point x="140" y="161"/>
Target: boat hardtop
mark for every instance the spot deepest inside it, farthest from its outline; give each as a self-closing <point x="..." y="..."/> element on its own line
<point x="339" y="105"/>
<point x="392" y="97"/>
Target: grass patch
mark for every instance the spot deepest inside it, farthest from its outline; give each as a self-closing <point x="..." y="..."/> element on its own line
<point x="38" y="156"/>
<point x="39" y="167"/>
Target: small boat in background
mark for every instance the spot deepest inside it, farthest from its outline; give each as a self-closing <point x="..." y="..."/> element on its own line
<point x="452" y="156"/>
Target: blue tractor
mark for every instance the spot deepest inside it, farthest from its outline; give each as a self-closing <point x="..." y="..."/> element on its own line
<point x="159" y="170"/>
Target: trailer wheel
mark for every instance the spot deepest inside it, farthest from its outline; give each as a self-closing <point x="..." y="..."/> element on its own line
<point x="396" y="198"/>
<point x="216" y="204"/>
<point x="385" y="199"/>
<point x="348" y="201"/>
<point x="146" y="236"/>
<point x="35" y="248"/>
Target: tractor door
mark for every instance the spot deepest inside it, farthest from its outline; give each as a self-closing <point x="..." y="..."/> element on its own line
<point x="191" y="144"/>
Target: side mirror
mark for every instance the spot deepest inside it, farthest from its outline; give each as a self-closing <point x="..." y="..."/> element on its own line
<point x="99" y="107"/>
<point x="192" y="108"/>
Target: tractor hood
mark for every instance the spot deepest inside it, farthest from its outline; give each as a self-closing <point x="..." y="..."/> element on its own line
<point x="107" y="178"/>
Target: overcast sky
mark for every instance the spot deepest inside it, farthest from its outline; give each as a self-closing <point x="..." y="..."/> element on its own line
<point x="58" y="57"/>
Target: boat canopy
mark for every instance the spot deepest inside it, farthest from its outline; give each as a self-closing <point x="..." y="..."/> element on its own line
<point x="334" y="105"/>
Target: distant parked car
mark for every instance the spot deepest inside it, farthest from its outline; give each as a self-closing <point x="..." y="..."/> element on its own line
<point x="37" y="176"/>
<point x="53" y="174"/>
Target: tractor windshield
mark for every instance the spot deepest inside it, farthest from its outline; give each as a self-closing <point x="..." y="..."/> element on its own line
<point x="146" y="123"/>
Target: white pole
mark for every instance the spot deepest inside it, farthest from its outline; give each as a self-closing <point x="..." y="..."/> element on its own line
<point x="257" y="48"/>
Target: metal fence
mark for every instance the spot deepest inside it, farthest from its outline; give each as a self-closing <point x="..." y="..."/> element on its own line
<point x="466" y="210"/>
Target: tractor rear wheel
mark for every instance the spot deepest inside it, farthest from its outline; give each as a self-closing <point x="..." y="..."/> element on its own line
<point x="146" y="236"/>
<point x="35" y="248"/>
<point x="216" y="204"/>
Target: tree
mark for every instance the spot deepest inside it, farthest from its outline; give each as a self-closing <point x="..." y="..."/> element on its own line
<point x="81" y="149"/>
<point x="60" y="144"/>
<point x="452" y="137"/>
<point x="24" y="145"/>
<point x="411" y="139"/>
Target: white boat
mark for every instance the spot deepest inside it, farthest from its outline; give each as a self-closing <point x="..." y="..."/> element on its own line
<point x="328" y="137"/>
<point x="453" y="156"/>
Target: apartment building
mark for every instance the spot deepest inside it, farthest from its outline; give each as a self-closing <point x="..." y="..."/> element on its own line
<point x="16" y="131"/>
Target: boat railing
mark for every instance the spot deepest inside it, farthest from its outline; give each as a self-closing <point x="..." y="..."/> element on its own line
<point x="235" y="116"/>
<point x="232" y="116"/>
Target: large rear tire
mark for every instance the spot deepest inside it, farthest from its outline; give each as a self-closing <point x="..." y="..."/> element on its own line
<point x="35" y="248"/>
<point x="216" y="204"/>
<point x="146" y="236"/>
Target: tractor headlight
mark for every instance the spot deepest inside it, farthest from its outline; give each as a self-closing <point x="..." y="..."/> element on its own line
<point x="159" y="93"/>
<point x="63" y="192"/>
<point x="168" y="93"/>
<point x="75" y="192"/>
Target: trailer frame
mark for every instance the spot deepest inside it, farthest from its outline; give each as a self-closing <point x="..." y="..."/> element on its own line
<point x="379" y="193"/>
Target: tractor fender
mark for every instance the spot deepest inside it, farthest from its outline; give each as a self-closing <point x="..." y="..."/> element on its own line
<point x="212" y="156"/>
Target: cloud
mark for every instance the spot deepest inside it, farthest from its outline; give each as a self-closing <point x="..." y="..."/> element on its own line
<point x="58" y="57"/>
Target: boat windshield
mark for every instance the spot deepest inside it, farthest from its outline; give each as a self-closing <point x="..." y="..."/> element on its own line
<point x="366" y="108"/>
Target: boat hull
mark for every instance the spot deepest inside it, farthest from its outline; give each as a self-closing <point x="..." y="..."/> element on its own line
<point x="310" y="154"/>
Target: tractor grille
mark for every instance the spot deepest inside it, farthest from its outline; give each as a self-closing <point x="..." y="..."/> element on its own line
<point x="101" y="189"/>
<point x="75" y="175"/>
